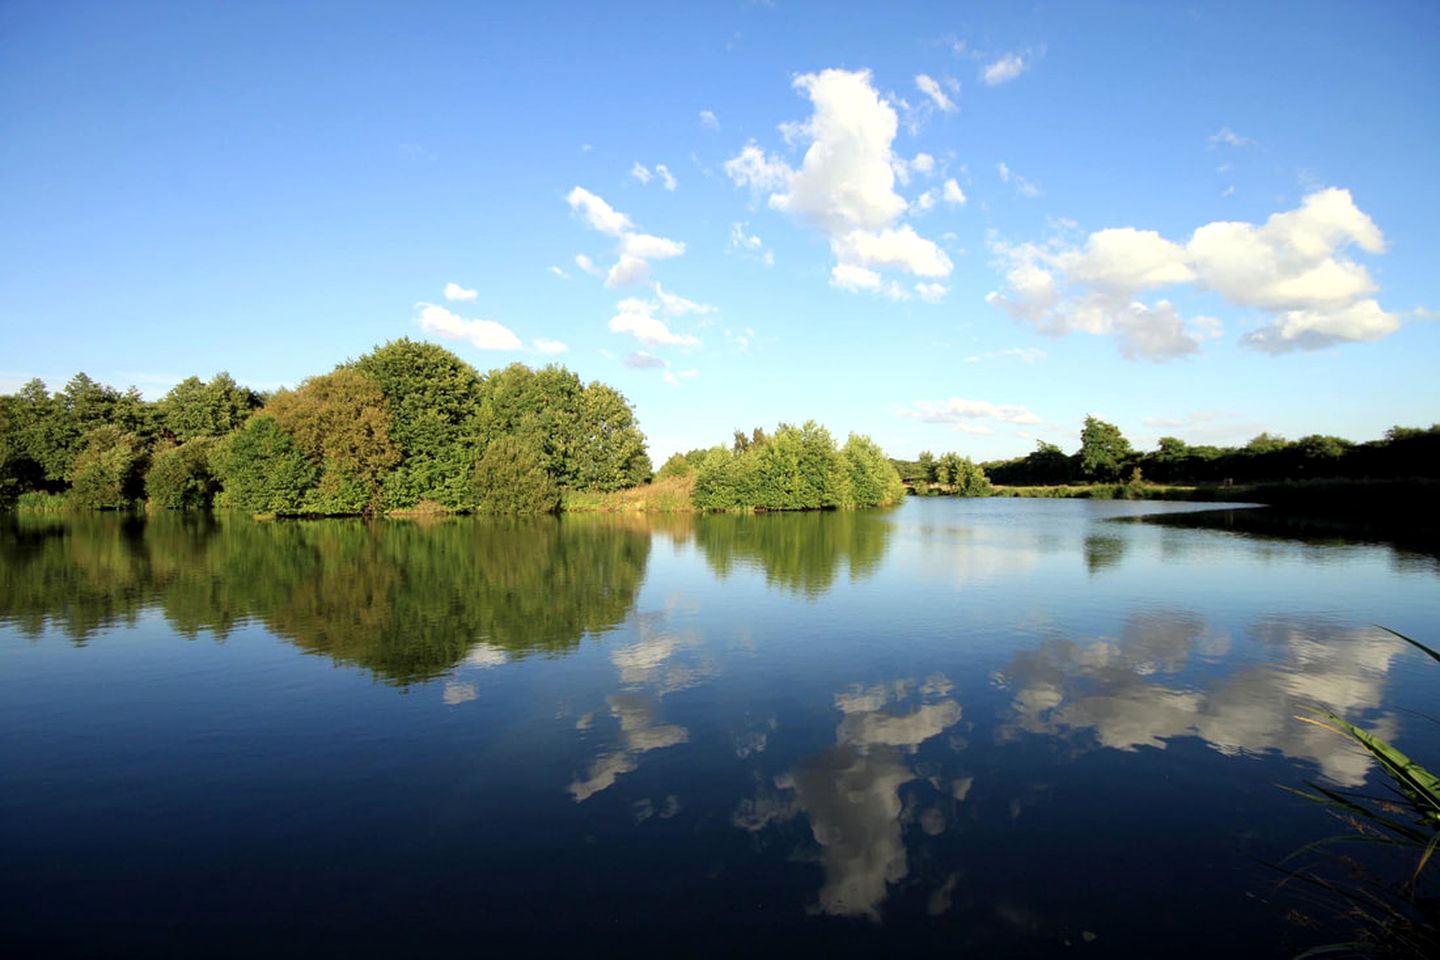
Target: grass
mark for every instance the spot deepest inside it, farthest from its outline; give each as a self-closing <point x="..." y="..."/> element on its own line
<point x="1395" y="919"/>
<point x="671" y="495"/>
<point x="38" y="501"/>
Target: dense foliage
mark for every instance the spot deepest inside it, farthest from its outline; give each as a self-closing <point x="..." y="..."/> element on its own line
<point x="795" y="468"/>
<point x="407" y="424"/>
<point x="1106" y="456"/>
<point x="949" y="473"/>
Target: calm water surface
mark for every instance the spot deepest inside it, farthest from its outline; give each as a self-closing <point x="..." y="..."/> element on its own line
<point x="983" y="728"/>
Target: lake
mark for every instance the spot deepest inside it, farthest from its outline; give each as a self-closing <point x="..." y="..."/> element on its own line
<point x="983" y="727"/>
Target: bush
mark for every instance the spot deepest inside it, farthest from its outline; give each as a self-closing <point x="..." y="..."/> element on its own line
<point x="180" y="477"/>
<point x="510" y="479"/>
<point x="108" y="474"/>
<point x="262" y="470"/>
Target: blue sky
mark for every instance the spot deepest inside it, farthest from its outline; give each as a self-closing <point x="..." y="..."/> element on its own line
<point x="949" y="226"/>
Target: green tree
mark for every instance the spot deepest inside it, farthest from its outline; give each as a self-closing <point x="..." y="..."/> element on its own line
<point x="262" y="470"/>
<point x="511" y="480"/>
<point x="873" y="478"/>
<point x="1103" y="450"/>
<point x="341" y="422"/>
<point x="194" y="408"/>
<point x="930" y="470"/>
<point x="108" y="473"/>
<point x="180" y="476"/>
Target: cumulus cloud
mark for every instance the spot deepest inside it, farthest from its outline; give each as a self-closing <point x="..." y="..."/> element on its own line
<point x="588" y="265"/>
<point x="636" y="250"/>
<point x="708" y="120"/>
<point x="923" y="163"/>
<point x="453" y="291"/>
<point x="641" y="172"/>
<point x="1294" y="268"/>
<point x="677" y="306"/>
<point x="958" y="411"/>
<point x="484" y="334"/>
<point x="597" y="213"/>
<point x="931" y="89"/>
<point x="637" y="317"/>
<point x="1004" y="69"/>
<point x="845" y="186"/>
<point x="666" y="178"/>
<point x="548" y="346"/>
<point x="952" y="193"/>
<point x="931" y="292"/>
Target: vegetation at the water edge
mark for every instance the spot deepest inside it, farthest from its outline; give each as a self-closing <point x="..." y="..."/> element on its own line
<point x="793" y="468"/>
<point x="1397" y="915"/>
<point x="409" y="426"/>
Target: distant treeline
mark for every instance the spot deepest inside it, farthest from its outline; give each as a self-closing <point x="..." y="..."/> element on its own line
<point x="948" y="473"/>
<point x="1106" y="456"/>
<point x="794" y="468"/>
<point x="407" y="426"/>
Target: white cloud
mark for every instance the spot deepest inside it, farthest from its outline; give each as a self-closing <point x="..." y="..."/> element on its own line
<point x="597" y="213"/>
<point x="923" y="163"/>
<point x="485" y="334"/>
<point x="636" y="316"/>
<point x="1003" y="70"/>
<point x="668" y="180"/>
<point x="677" y="306"/>
<point x="548" y="346"/>
<point x="931" y="89"/>
<point x="953" y="194"/>
<point x="647" y="247"/>
<point x="640" y="172"/>
<point x="957" y="410"/>
<point x="559" y="273"/>
<point x="752" y="168"/>
<point x="453" y="291"/>
<point x="845" y="185"/>
<point x="1293" y="267"/>
<point x="846" y="180"/>
<point x="1229" y="138"/>
<point x="629" y="269"/>
<point x="708" y="120"/>
<point x="931" y="292"/>
<point x="643" y="173"/>
<point x="635" y="249"/>
<point x="588" y="265"/>
<point x="900" y="248"/>
<point x="926" y="200"/>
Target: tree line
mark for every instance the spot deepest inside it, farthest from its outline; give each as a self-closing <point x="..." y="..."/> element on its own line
<point x="1106" y="456"/>
<point x="792" y="468"/>
<point x="407" y="426"/>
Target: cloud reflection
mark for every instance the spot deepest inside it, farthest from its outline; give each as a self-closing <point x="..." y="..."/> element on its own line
<point x="1128" y="692"/>
<point x="850" y="793"/>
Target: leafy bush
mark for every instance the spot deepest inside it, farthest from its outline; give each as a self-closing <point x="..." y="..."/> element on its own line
<point x="180" y="477"/>
<point x="511" y="479"/>
<point x="108" y="473"/>
<point x="262" y="469"/>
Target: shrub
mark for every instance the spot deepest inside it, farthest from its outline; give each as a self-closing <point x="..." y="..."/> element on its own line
<point x="180" y="477"/>
<point x="511" y="479"/>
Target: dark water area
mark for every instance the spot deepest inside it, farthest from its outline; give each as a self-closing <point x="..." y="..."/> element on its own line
<point x="975" y="727"/>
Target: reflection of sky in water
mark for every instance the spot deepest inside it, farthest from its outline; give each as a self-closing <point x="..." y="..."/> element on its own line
<point x="761" y="723"/>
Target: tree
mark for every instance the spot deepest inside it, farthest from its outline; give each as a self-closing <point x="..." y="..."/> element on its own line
<point x="930" y="471"/>
<point x="341" y="422"/>
<point x="262" y="470"/>
<point x="511" y="480"/>
<point x="108" y="473"/>
<point x="873" y="479"/>
<point x="194" y="408"/>
<point x="180" y="477"/>
<point x="1103" y="450"/>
